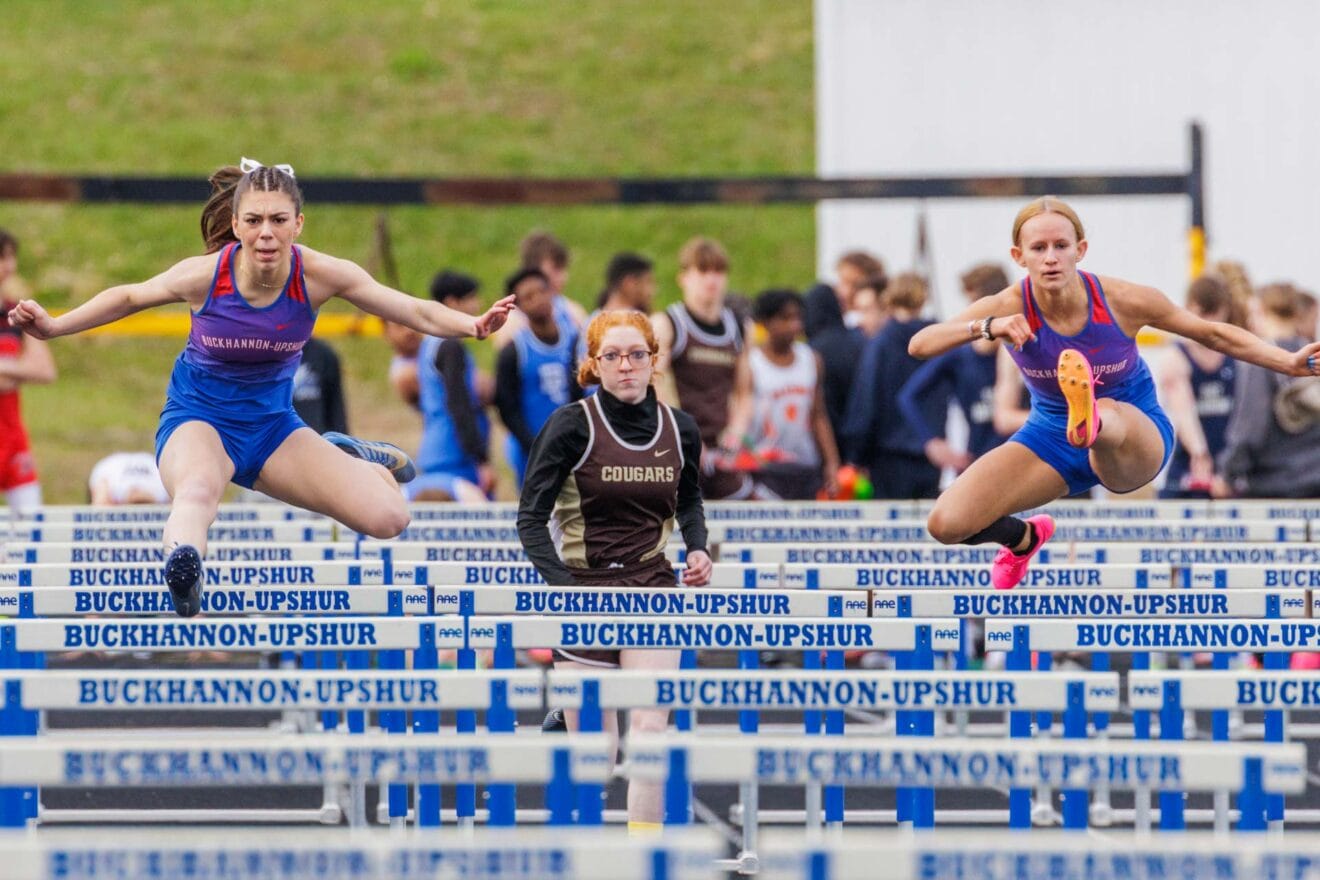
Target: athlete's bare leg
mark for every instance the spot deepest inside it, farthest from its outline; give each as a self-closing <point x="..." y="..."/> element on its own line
<point x="1006" y="480"/>
<point x="646" y="800"/>
<point x="309" y="472"/>
<point x="195" y="470"/>
<point x="1129" y="451"/>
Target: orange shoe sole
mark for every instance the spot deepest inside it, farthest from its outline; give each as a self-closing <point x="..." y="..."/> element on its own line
<point x="1078" y="387"/>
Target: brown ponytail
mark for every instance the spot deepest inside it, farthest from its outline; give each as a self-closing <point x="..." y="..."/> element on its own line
<point x="218" y="215"/>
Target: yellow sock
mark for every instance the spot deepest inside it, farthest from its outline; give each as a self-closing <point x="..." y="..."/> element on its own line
<point x="643" y="828"/>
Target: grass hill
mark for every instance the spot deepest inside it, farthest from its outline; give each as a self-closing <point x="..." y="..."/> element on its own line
<point x="461" y="87"/>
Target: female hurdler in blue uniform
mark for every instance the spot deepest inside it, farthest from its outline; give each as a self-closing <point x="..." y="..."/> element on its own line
<point x="228" y="414"/>
<point x="1094" y="418"/>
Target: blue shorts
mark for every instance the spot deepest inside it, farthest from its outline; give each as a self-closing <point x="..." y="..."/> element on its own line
<point x="442" y="480"/>
<point x="252" y="420"/>
<point x="1045" y="434"/>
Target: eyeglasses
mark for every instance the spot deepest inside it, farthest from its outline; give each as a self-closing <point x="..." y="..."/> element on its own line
<point x="638" y="357"/>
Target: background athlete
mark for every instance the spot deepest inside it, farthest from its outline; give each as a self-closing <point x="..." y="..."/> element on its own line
<point x="1094" y="417"/>
<point x="613" y="472"/>
<point x="228" y="413"/>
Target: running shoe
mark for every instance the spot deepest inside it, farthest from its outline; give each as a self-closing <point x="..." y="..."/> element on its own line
<point x="183" y="574"/>
<point x="554" y="722"/>
<point x="1009" y="568"/>
<point x="1078" y="386"/>
<point x="395" y="460"/>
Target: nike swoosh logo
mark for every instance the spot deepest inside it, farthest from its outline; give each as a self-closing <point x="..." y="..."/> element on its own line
<point x="281" y="326"/>
<point x="660" y="452"/>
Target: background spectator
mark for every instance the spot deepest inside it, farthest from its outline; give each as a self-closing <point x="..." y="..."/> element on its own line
<point x="878" y="436"/>
<point x="840" y="349"/>
<point x="22" y="359"/>
<point x="854" y="269"/>
<point x="543" y="250"/>
<point x="318" y="389"/>
<point x="791" y="431"/>
<point x="453" y="461"/>
<point x="1197" y="387"/>
<point x="965" y="375"/>
<point x="1262" y="459"/>
<point x="702" y="354"/>
<point x="533" y="375"/>
<point x="126" y="478"/>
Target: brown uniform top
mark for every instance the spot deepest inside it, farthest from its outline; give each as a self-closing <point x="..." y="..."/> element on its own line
<point x="617" y="506"/>
<point x="703" y="365"/>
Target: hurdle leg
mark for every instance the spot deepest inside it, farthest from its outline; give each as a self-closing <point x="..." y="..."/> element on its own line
<point x="834" y="727"/>
<point x="426" y="657"/>
<point x="749" y="723"/>
<point x="465" y="721"/>
<point x="811" y="723"/>
<point x="1172" y="803"/>
<point x="1101" y="806"/>
<point x="1019" y="727"/>
<point x="357" y="724"/>
<point x="500" y="719"/>
<point x="1275" y="722"/>
<point x="1042" y="811"/>
<point x="1076" y="813"/>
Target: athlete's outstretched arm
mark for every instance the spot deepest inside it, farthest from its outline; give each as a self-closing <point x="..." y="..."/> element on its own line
<point x="330" y="276"/>
<point x="186" y="281"/>
<point x="1153" y="308"/>
<point x="1009" y="325"/>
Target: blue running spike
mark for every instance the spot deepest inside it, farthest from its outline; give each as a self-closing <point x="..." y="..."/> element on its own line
<point x="395" y="460"/>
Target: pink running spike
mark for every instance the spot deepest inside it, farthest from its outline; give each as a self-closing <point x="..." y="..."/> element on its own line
<point x="1009" y="569"/>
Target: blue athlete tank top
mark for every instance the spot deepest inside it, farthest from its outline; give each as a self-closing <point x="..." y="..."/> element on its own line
<point x="240" y="360"/>
<point x="543" y="369"/>
<point x="440" y="449"/>
<point x="1213" y="391"/>
<point x="1115" y="361"/>
<point x="233" y="339"/>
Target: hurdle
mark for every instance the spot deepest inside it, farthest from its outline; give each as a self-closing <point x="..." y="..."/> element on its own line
<point x="216" y="574"/>
<point x="158" y="513"/>
<point x="813" y="691"/>
<point x="864" y="577"/>
<point x="895" y="554"/>
<point x="321" y="691"/>
<point x="726" y="575"/>
<point x="279" y="531"/>
<point x="495" y="854"/>
<point x="1250" y="769"/>
<point x="1173" y="693"/>
<point x="1273" y="636"/>
<point x="88" y="553"/>
<point x="965" y="855"/>
<point x="1180" y="555"/>
<point x="306" y="759"/>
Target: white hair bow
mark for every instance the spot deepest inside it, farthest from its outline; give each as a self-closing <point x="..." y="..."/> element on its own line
<point x="249" y="165"/>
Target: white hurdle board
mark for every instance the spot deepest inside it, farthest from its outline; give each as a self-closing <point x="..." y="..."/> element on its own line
<point x="334" y="854"/>
<point x="720" y="633"/>
<point x="217" y="574"/>
<point x="1217" y="689"/>
<point x="885" y="577"/>
<point x="981" y="855"/>
<point x="71" y="601"/>
<point x="276" y="689"/>
<point x="1180" y="555"/>
<point x="263" y="758"/>
<point x="279" y="531"/>
<point x="656" y="601"/>
<point x="244" y="634"/>
<point x="855" y="689"/>
<point x="1228" y="531"/>
<point x="231" y="512"/>
<point x="473" y="574"/>
<point x="1255" y="576"/>
<point x="1176" y="634"/>
<point x="958" y="763"/>
<point x="90" y="553"/>
<point x="1087" y="603"/>
<point x="887" y="554"/>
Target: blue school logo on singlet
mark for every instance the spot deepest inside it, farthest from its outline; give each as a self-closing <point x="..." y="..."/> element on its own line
<point x="544" y="371"/>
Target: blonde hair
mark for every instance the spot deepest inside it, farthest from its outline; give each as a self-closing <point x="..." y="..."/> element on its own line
<point x="1046" y="205"/>
<point x="704" y="255"/>
<point x="1239" y="289"/>
<point x="906" y="291"/>
<point x="596" y="330"/>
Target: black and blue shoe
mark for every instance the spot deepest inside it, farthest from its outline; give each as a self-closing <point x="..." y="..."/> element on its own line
<point x="183" y="575"/>
<point x="395" y="460"/>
